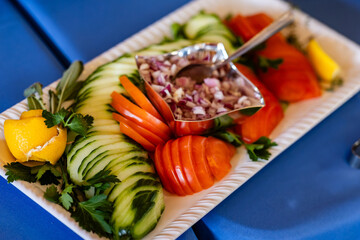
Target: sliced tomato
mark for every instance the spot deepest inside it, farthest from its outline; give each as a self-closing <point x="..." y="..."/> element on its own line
<point x="170" y="170"/>
<point x="185" y="146"/>
<point x="150" y="136"/>
<point x="139" y="116"/>
<point x="201" y="166"/>
<point x="139" y="97"/>
<point x="241" y="26"/>
<point x="218" y="155"/>
<point x="261" y="20"/>
<point x="295" y="79"/>
<point x="178" y="167"/>
<point x="128" y="131"/>
<point x="292" y="86"/>
<point x="266" y="119"/>
<point x="159" y="166"/>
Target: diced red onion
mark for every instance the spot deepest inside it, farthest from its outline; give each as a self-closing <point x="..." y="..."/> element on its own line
<point x="198" y="110"/>
<point x="212" y="82"/>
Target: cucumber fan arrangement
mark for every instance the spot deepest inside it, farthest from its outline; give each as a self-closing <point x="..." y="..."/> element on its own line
<point x="104" y="175"/>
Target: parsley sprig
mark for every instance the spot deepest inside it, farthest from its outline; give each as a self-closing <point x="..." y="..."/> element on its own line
<point x="257" y="150"/>
<point x="73" y="121"/>
<point x="92" y="214"/>
<point x="45" y="174"/>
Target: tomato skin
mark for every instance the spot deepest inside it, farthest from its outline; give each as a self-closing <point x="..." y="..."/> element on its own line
<point x="178" y="168"/>
<point x="159" y="165"/>
<point x="241" y="27"/>
<point x="295" y="79"/>
<point x="266" y="119"/>
<point x="261" y="20"/>
<point x="139" y="97"/>
<point x="139" y="116"/>
<point x="201" y="165"/>
<point x="190" y="164"/>
<point x="170" y="170"/>
<point x="148" y="135"/>
<point x="218" y="155"/>
<point x="185" y="145"/>
<point x="191" y="128"/>
<point x="130" y="132"/>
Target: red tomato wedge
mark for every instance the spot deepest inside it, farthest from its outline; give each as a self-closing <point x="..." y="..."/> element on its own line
<point x="185" y="146"/>
<point x="148" y="135"/>
<point x="127" y="130"/>
<point x="202" y="168"/>
<point x="139" y="116"/>
<point x="159" y="165"/>
<point x="179" y="171"/>
<point x="139" y="97"/>
<point x="170" y="170"/>
<point x="218" y="155"/>
<point x="266" y="119"/>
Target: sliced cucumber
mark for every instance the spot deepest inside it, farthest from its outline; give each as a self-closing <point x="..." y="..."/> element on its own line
<point x="120" y="187"/>
<point x="218" y="39"/>
<point x="150" y="218"/>
<point x="124" y="213"/>
<point x="199" y="22"/>
<point x="96" y="166"/>
<point x="104" y="149"/>
<point x="131" y="168"/>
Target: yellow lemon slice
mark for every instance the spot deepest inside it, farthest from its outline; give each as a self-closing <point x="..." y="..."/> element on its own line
<point x="30" y="139"/>
<point x="326" y="68"/>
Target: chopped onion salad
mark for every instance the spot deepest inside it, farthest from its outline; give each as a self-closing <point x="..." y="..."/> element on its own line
<point x="188" y="99"/>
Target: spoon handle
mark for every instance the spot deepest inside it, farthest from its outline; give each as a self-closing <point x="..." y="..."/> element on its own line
<point x="283" y="21"/>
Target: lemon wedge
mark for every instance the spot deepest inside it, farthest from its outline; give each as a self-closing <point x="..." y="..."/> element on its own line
<point x="30" y="139"/>
<point x="326" y="68"/>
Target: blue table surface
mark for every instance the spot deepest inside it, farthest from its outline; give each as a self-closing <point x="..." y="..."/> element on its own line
<point x="308" y="192"/>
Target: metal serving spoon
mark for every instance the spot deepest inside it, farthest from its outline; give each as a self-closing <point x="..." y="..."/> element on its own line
<point x="200" y="71"/>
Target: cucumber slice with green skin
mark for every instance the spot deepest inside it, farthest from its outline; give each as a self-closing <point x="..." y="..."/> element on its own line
<point x="124" y="214"/>
<point x="172" y="46"/>
<point x="120" y="187"/>
<point x="84" y="141"/>
<point x="91" y="102"/>
<point x="104" y="122"/>
<point x="149" y="220"/>
<point x="105" y="114"/>
<point x="218" y="29"/>
<point x="132" y="168"/>
<point x="124" y="164"/>
<point x="99" y="152"/>
<point x="112" y="82"/>
<point x="218" y="39"/>
<point x="199" y="22"/>
<point x="106" y="129"/>
<point x="75" y="161"/>
<point x="92" y="92"/>
<point x="114" y="163"/>
<point x="128" y="60"/>
<point x="100" y="164"/>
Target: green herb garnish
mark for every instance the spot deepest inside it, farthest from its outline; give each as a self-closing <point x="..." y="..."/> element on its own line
<point x="257" y="150"/>
<point x="73" y="121"/>
<point x="266" y="63"/>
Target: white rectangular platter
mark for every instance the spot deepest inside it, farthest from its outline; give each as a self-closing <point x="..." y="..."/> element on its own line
<point x="182" y="212"/>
